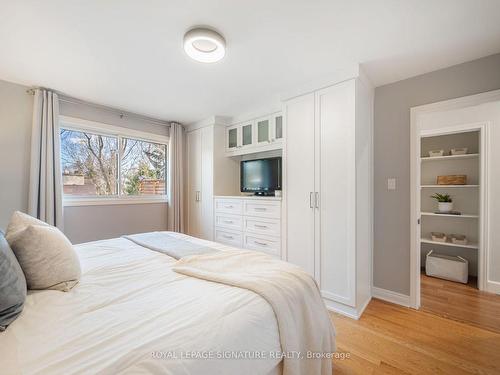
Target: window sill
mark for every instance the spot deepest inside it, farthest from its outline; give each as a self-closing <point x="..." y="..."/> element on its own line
<point x="74" y="202"/>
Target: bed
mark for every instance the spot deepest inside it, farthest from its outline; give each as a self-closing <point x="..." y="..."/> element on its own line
<point x="132" y="314"/>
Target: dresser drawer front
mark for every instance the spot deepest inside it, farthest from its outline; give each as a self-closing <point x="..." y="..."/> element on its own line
<point x="234" y="222"/>
<point x="269" y="227"/>
<point x="267" y="209"/>
<point x="267" y="245"/>
<point x="229" y="237"/>
<point x="229" y="206"/>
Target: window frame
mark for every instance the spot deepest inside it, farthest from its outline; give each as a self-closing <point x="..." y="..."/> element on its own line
<point x="118" y="132"/>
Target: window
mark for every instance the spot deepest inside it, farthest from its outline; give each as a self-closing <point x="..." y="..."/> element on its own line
<point x="111" y="163"/>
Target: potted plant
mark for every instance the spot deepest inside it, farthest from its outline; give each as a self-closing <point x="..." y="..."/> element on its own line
<point x="445" y="203"/>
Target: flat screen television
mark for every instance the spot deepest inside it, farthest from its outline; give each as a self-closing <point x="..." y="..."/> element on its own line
<point x="261" y="176"/>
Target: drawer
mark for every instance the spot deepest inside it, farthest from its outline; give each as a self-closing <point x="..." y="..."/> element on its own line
<point x="270" y="227"/>
<point x="229" y="206"/>
<point x="268" y="245"/>
<point x="229" y="237"/>
<point x="234" y="222"/>
<point x="270" y="209"/>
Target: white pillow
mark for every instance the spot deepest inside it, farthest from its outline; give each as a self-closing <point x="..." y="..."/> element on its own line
<point x="20" y="221"/>
<point x="46" y="257"/>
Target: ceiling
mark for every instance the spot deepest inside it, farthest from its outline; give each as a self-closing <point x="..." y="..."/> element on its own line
<point x="128" y="54"/>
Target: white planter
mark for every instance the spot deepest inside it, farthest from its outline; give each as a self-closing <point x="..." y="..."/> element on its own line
<point x="445" y="206"/>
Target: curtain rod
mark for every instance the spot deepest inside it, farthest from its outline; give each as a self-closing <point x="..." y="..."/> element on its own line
<point x="117" y="111"/>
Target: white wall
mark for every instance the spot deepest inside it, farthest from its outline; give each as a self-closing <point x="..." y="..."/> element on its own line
<point x="16" y="109"/>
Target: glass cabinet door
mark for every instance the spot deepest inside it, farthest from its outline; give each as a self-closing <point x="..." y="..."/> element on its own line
<point x="232" y="138"/>
<point x="263" y="127"/>
<point x="278" y="128"/>
<point x="247" y="134"/>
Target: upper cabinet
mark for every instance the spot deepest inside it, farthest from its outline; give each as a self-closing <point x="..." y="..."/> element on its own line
<point x="262" y="134"/>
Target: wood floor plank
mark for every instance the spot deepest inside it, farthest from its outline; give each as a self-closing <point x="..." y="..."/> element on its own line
<point x="390" y="339"/>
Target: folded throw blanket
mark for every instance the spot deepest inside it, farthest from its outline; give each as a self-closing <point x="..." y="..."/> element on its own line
<point x="164" y="243"/>
<point x="304" y="323"/>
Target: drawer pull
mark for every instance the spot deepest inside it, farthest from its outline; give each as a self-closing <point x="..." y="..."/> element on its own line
<point x="260" y="209"/>
<point x="228" y="206"/>
<point x="228" y="237"/>
<point x="261" y="226"/>
<point x="260" y="243"/>
<point x="228" y="221"/>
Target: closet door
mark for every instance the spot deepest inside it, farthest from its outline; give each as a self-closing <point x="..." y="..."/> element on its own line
<point x="205" y="226"/>
<point x="336" y="168"/>
<point x="193" y="143"/>
<point x="300" y="181"/>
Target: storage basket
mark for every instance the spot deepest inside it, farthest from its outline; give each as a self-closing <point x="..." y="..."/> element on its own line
<point x="455" y="179"/>
<point x="453" y="268"/>
<point x="438" y="237"/>
<point x="459" y="151"/>
<point x="458" y="239"/>
<point x="436" y="153"/>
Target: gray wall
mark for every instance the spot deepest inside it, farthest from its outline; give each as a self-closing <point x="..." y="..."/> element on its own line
<point x="392" y="157"/>
<point x="16" y="109"/>
<point x="89" y="223"/>
<point x="83" y="223"/>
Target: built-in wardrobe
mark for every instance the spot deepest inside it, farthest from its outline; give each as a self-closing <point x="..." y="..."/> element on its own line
<point x="209" y="172"/>
<point x="328" y="190"/>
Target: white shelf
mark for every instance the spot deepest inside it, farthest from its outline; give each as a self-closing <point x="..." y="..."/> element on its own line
<point x="450" y="157"/>
<point x="449" y="186"/>
<point x="469" y="216"/>
<point x="468" y="246"/>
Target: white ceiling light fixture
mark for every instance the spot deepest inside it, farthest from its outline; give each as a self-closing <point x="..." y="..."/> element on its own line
<point x="204" y="45"/>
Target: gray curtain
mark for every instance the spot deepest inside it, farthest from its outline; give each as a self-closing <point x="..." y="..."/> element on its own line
<point x="176" y="178"/>
<point x="45" y="189"/>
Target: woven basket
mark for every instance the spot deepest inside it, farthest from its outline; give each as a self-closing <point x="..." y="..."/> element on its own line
<point x="457" y="179"/>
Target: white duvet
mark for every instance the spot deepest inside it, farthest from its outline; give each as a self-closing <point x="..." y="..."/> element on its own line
<point x="132" y="314"/>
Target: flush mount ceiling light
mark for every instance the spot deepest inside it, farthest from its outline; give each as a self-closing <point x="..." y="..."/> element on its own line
<point x="204" y="45"/>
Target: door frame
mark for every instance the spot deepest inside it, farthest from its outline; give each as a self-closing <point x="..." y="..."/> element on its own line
<point x="415" y="137"/>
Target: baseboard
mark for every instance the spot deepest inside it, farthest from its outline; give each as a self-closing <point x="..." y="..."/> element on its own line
<point x="390" y="296"/>
<point x="493" y="287"/>
<point x="345" y="310"/>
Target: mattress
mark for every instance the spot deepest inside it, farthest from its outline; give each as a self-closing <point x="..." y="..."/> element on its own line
<point x="131" y="314"/>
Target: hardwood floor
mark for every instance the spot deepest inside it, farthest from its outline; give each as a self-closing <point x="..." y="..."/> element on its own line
<point x="391" y="339"/>
<point x="460" y="302"/>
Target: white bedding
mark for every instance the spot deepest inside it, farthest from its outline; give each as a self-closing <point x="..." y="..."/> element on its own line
<point x="129" y="308"/>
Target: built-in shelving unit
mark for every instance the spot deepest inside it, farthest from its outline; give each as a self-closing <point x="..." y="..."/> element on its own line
<point x="466" y="198"/>
<point x="449" y="186"/>
<point x="468" y="246"/>
<point x="466" y="216"/>
<point x="449" y="157"/>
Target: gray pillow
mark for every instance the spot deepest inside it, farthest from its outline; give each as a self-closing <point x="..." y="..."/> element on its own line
<point x="12" y="285"/>
<point x="46" y="257"/>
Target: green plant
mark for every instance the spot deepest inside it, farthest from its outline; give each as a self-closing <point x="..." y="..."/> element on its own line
<point x="442" y="198"/>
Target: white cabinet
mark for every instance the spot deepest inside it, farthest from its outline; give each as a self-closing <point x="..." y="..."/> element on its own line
<point x="208" y="172"/>
<point x="328" y="191"/>
<point x="199" y="183"/>
<point x="249" y="222"/>
<point x="257" y="135"/>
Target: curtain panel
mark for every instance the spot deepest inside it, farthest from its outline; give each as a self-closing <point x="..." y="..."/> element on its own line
<point x="176" y="178"/>
<point x="45" y="188"/>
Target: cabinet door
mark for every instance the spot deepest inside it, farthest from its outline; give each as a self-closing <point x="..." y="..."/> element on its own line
<point x="300" y="181"/>
<point x="233" y="138"/>
<point x="277" y="127"/>
<point x="193" y="143"/>
<point x="206" y="228"/>
<point x="247" y="134"/>
<point x="335" y="127"/>
<point x="263" y="131"/>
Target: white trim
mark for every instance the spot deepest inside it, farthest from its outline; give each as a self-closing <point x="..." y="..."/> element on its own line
<point x="350" y="312"/>
<point x="74" y="123"/>
<point x="91" y="201"/>
<point x="390" y="296"/>
<point x="415" y="112"/>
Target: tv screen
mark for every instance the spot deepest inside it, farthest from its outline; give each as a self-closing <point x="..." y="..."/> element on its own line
<point x="261" y="175"/>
